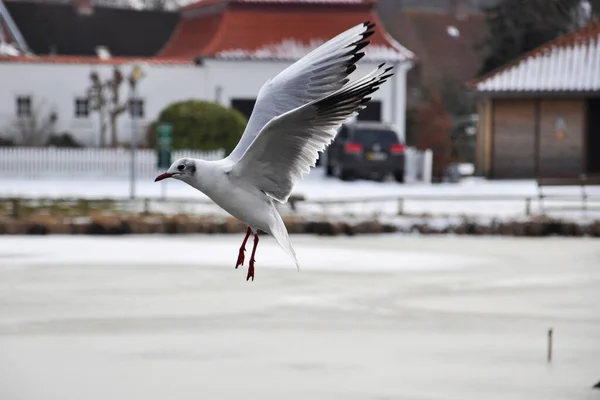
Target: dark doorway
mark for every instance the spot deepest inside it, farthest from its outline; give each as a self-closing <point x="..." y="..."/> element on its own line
<point x="593" y="137"/>
<point x="372" y="112"/>
<point x="244" y="106"/>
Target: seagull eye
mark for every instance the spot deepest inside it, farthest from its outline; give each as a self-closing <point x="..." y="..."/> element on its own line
<point x="181" y="167"/>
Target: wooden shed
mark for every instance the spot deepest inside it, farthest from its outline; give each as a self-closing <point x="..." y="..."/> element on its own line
<point x="539" y="115"/>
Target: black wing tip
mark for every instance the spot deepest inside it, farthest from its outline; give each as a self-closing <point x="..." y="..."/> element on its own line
<point x="367" y="34"/>
<point x="369" y="24"/>
<point x="388" y="69"/>
<point x="362" y="42"/>
<point x="357" y="57"/>
<point x="361" y="45"/>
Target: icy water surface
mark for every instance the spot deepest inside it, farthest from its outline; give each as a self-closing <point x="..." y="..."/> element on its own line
<point x="381" y="318"/>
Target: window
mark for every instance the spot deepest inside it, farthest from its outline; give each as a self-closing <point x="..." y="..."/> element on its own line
<point x="136" y="108"/>
<point x="82" y="107"/>
<point x="244" y="106"/>
<point x="368" y="137"/>
<point x="24" y="106"/>
<point x="372" y="112"/>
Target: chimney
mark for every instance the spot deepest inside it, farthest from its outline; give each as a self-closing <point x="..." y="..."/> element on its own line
<point x="84" y="7"/>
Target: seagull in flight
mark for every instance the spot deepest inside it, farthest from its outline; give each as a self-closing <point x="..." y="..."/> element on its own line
<point x="297" y="115"/>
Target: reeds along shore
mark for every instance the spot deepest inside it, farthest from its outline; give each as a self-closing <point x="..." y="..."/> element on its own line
<point x="106" y="224"/>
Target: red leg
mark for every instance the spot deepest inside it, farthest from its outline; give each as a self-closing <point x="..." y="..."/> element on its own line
<point x="251" y="265"/>
<point x="240" y="260"/>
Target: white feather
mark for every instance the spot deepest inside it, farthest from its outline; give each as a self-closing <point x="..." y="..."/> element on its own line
<point x="322" y="71"/>
<point x="288" y="146"/>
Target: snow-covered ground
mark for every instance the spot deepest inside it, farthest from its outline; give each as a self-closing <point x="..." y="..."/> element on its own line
<point x="317" y="187"/>
<point x="385" y="317"/>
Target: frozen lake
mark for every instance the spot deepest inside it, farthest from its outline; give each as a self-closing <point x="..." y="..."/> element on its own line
<point x="375" y="318"/>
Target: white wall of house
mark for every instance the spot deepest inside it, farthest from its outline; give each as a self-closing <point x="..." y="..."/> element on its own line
<point x="56" y="86"/>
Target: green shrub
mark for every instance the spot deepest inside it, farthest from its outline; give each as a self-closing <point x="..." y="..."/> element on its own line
<point x="200" y="125"/>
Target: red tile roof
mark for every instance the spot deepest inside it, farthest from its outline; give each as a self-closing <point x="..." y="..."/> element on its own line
<point x="329" y="2"/>
<point x="274" y="29"/>
<point x="568" y="63"/>
<point x="192" y="31"/>
<point x="94" y="60"/>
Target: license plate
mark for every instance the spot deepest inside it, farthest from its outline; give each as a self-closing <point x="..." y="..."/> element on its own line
<point x="376" y="156"/>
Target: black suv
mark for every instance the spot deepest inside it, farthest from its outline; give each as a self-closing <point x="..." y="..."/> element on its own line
<point x="366" y="149"/>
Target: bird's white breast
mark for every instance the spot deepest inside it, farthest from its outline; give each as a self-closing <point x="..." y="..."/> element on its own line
<point x="243" y="202"/>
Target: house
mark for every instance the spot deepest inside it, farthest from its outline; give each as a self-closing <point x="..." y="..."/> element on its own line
<point x="539" y="115"/>
<point x="219" y="50"/>
<point x="36" y="89"/>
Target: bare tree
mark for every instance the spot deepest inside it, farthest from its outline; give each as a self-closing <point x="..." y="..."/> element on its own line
<point x="116" y="108"/>
<point x="35" y="128"/>
<point x="104" y="98"/>
<point x="96" y="94"/>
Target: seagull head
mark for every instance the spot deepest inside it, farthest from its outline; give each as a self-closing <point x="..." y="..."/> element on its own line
<point x="182" y="169"/>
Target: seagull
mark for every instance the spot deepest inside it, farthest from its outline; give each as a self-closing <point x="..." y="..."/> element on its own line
<point x="297" y="114"/>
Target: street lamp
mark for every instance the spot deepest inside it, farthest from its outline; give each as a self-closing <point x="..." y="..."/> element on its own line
<point x="135" y="109"/>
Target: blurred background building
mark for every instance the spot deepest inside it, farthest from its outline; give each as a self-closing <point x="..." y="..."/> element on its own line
<point x="221" y="51"/>
<point x="540" y="114"/>
<point x="67" y="65"/>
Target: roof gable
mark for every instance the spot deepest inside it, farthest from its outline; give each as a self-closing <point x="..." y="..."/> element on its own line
<point x="274" y="29"/>
<point x="568" y="63"/>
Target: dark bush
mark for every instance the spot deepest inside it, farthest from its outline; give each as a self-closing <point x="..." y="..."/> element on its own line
<point x="63" y="140"/>
<point x="6" y="142"/>
<point x="200" y="125"/>
<point x="37" y="229"/>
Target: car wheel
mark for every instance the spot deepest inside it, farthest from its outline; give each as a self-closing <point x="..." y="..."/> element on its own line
<point x="328" y="170"/>
<point x="379" y="177"/>
<point x="399" y="176"/>
<point x="340" y="173"/>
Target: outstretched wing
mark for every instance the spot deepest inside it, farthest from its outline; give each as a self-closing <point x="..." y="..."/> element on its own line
<point x="317" y="74"/>
<point x="288" y="145"/>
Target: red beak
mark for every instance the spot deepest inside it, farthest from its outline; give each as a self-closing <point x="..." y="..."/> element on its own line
<point x="163" y="176"/>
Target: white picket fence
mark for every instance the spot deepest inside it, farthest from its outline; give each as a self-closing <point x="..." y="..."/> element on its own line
<point x="49" y="162"/>
<point x="43" y="162"/>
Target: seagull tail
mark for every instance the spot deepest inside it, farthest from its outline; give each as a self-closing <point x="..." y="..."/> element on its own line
<point x="280" y="234"/>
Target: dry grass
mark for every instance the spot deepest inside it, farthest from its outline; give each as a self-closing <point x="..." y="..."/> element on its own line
<point x="105" y="218"/>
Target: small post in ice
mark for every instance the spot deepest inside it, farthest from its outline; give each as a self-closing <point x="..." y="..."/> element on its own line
<point x="550" y="345"/>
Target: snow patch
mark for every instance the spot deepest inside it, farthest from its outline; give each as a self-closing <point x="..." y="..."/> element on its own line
<point x="291" y="49"/>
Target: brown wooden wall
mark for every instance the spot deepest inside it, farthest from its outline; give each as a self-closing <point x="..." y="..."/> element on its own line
<point x="482" y="138"/>
<point x="525" y="141"/>
<point x="513" y="143"/>
<point x="562" y="157"/>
